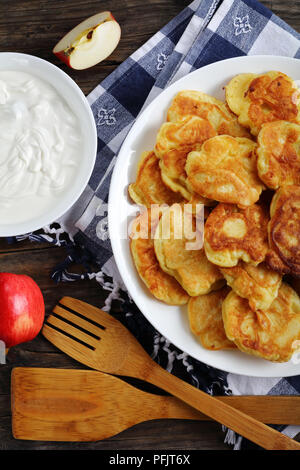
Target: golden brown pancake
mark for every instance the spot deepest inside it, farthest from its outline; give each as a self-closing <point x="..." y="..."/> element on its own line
<point x="205" y="318"/>
<point x="175" y="237"/>
<point x="196" y="103"/>
<point x="278" y="154"/>
<point x="272" y="334"/>
<point x="174" y="141"/>
<point x="258" y="284"/>
<point x="160" y="284"/>
<point x="284" y="231"/>
<point x="232" y="234"/>
<point x="149" y="187"/>
<point x="261" y="98"/>
<point x="225" y="170"/>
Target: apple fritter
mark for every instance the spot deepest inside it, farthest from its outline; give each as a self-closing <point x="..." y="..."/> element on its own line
<point x="160" y="284"/>
<point x="206" y="322"/>
<point x="196" y="103"/>
<point x="178" y="247"/>
<point x="258" y="284"/>
<point x="261" y="98"/>
<point x="272" y="334"/>
<point x="149" y="187"/>
<point x="284" y="231"/>
<point x="278" y="154"/>
<point x="225" y="170"/>
<point x="174" y="141"/>
<point x="232" y="234"/>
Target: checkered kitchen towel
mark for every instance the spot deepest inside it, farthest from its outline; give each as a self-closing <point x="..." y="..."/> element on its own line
<point x="205" y="32"/>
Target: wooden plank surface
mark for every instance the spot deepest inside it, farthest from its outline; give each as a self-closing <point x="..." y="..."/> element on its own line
<point x="33" y="27"/>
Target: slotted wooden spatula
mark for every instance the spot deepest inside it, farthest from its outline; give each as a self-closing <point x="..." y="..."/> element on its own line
<point x="98" y="340"/>
<point x="87" y="405"/>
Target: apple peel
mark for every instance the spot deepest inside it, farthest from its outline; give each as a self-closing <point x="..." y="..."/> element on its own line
<point x="22" y="310"/>
<point x="90" y="42"/>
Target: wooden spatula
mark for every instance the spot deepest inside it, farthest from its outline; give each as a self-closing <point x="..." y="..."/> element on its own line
<point x="98" y="340"/>
<point x="86" y="405"/>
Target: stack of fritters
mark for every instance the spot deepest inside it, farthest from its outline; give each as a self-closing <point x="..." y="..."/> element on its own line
<point x="230" y="157"/>
<point x="196" y="274"/>
<point x="160" y="284"/>
<point x="284" y="231"/>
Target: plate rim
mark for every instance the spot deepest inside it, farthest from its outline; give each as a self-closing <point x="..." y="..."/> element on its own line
<point x="111" y="210"/>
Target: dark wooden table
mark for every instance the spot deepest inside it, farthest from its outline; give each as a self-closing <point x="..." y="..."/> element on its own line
<point x="33" y="27"/>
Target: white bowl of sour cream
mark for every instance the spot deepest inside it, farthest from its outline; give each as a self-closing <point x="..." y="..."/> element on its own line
<point x="48" y="143"/>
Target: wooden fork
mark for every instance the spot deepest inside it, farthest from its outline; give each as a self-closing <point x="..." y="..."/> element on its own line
<point x="98" y="340"/>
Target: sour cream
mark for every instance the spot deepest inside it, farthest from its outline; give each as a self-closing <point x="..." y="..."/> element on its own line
<point x="40" y="146"/>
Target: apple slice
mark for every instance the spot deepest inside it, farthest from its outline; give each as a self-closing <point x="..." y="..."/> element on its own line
<point x="90" y="42"/>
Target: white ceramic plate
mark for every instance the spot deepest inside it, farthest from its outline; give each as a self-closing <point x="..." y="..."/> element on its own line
<point x="172" y="321"/>
<point x="72" y="94"/>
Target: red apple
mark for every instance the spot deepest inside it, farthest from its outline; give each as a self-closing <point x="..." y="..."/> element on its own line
<point x="90" y="42"/>
<point x="22" y="309"/>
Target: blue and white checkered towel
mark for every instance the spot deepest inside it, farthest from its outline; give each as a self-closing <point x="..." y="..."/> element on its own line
<point x="205" y="32"/>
